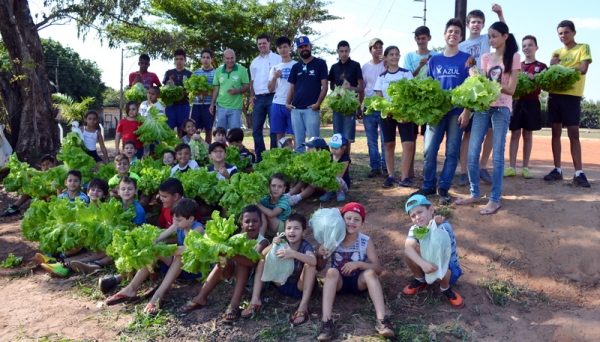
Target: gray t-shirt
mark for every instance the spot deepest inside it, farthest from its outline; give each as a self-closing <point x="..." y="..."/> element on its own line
<point x="305" y="248"/>
<point x="476" y="47"/>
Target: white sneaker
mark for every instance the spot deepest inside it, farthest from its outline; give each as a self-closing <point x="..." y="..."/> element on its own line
<point x="294" y="199"/>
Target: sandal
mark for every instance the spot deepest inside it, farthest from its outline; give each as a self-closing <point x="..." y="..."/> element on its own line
<point x="120" y="298"/>
<point x="192" y="306"/>
<point x="486" y="211"/>
<point x="235" y="312"/>
<point x="152" y="309"/>
<point x="299" y="314"/>
<point x="251" y="310"/>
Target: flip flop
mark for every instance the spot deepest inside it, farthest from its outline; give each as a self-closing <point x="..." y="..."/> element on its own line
<point x="463" y="201"/>
<point x="153" y="309"/>
<point x="251" y="310"/>
<point x="119" y="298"/>
<point x="299" y="314"/>
<point x="235" y="312"/>
<point x="489" y="211"/>
<point x="192" y="306"/>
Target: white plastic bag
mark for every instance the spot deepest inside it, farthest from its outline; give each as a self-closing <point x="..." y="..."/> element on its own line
<point x="5" y="149"/>
<point x="329" y="227"/>
<point x="277" y="270"/>
<point x="436" y="248"/>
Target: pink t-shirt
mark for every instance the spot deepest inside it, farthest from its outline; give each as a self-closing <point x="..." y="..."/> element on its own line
<point x="495" y="72"/>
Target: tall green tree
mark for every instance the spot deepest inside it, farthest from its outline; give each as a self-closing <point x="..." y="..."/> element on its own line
<point x="111" y="98"/>
<point x="218" y="25"/>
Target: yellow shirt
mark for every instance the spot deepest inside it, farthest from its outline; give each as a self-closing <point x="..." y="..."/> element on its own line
<point x="572" y="58"/>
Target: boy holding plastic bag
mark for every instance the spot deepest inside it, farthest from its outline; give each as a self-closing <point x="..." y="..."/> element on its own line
<point x="431" y="238"/>
<point x="290" y="265"/>
<point x="354" y="269"/>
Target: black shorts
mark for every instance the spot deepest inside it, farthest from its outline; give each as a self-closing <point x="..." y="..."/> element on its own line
<point x="94" y="154"/>
<point x="350" y="284"/>
<point x="526" y="114"/>
<point x="423" y="129"/>
<point x="564" y="109"/>
<point x="202" y="116"/>
<point x="407" y="131"/>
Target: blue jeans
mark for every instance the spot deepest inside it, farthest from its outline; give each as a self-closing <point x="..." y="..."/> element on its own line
<point x="305" y="121"/>
<point x="372" y="123"/>
<point x="433" y="139"/>
<point x="262" y="106"/>
<point x="499" y="117"/>
<point x="229" y="118"/>
<point x="345" y="124"/>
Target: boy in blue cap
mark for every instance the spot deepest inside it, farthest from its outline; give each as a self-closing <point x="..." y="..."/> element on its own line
<point x="421" y="213"/>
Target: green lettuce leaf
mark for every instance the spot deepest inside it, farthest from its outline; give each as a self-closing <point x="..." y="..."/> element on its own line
<point x="421" y="232"/>
<point x="557" y="78"/>
<point x="524" y="86"/>
<point x="196" y="84"/>
<point x="476" y="93"/>
<point x="137" y="93"/>
<point x="343" y="101"/>
<point x="244" y="189"/>
<point x="170" y="94"/>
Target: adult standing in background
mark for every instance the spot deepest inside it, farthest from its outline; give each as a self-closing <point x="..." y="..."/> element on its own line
<point x="179" y="111"/>
<point x="260" y="96"/>
<point x="372" y="122"/>
<point x="308" y="87"/>
<point x="230" y="83"/>
<point x="348" y="74"/>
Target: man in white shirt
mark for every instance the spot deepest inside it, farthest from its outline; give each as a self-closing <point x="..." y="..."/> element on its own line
<point x="260" y="96"/>
<point x="370" y="72"/>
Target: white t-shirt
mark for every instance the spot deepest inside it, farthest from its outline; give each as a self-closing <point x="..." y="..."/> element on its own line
<point x="384" y="80"/>
<point x="476" y="47"/>
<point x="282" y="85"/>
<point x="371" y="73"/>
<point x="145" y="107"/>
<point x="192" y="164"/>
<point x="259" y="72"/>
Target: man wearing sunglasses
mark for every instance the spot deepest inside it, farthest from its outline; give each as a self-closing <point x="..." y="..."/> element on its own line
<point x="308" y="87"/>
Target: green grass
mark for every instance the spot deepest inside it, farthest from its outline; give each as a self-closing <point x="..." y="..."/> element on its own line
<point x="500" y="292"/>
<point x="144" y="327"/>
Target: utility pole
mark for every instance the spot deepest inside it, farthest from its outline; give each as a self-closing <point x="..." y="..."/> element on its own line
<point x="460" y="12"/>
<point x="424" y="17"/>
<point x="56" y="75"/>
<point x="121" y="98"/>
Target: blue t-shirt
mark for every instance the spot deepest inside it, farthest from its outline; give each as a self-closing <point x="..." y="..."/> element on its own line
<point x="413" y="59"/>
<point x="81" y="196"/>
<point x="140" y="214"/>
<point x="307" y="84"/>
<point x="210" y="75"/>
<point x="450" y="71"/>
<point x="181" y="233"/>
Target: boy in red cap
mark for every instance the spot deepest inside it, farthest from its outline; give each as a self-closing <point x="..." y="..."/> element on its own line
<point x="354" y="269"/>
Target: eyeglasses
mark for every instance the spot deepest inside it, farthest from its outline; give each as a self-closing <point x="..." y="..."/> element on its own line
<point x="304" y="68"/>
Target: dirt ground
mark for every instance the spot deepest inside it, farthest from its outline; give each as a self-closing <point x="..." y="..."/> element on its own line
<point x="531" y="273"/>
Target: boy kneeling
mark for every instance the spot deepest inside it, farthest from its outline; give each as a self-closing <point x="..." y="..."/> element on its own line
<point x="301" y="282"/>
<point x="421" y="213"/>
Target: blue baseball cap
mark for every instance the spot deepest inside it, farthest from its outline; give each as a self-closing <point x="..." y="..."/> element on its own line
<point x="316" y="142"/>
<point x="337" y="140"/>
<point x="301" y="41"/>
<point x="415" y="201"/>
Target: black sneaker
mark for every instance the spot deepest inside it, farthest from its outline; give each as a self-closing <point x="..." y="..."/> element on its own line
<point x="384" y="327"/>
<point x="424" y="192"/>
<point x="414" y="287"/>
<point x="390" y="182"/>
<point x="454" y="298"/>
<point x="444" y="197"/>
<point x="107" y="283"/>
<point x="384" y="173"/>
<point x="581" y="181"/>
<point x="326" y="332"/>
<point x="554" y="175"/>
<point x="10" y="211"/>
<point x="374" y="173"/>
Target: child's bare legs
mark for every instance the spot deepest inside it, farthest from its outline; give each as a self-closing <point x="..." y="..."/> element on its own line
<point x="411" y="172"/>
<point x="333" y="282"/>
<point x="242" y="273"/>
<point x="464" y="150"/>
<point x="445" y="282"/>
<point x="487" y="149"/>
<point x="174" y="264"/>
<point x="137" y="281"/>
<point x="271" y="223"/>
<point x="414" y="268"/>
<point x="368" y="279"/>
<point x="527" y="147"/>
<point x="22" y="199"/>
<point x="306" y="284"/>
<point x="390" y="149"/>
<point x="258" y="284"/>
<point x="214" y="278"/>
<point x="408" y="151"/>
<point x="296" y="189"/>
<point x="208" y="136"/>
<point x="515" y="136"/>
<point x="73" y="251"/>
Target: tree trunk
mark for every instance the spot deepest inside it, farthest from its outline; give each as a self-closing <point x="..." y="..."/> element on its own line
<point x="34" y="130"/>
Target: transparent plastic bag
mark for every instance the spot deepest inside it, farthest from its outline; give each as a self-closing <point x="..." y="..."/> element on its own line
<point x="277" y="270"/>
<point x="329" y="227"/>
<point x="436" y="248"/>
<point x="5" y="149"/>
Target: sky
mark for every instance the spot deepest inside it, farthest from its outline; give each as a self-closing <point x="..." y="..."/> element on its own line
<point x="391" y="21"/>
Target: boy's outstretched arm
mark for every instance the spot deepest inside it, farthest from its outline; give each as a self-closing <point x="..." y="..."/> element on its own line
<point x="410" y="251"/>
<point x="498" y="10"/>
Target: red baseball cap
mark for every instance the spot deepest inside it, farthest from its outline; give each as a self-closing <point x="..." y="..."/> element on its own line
<point x="355" y="207"/>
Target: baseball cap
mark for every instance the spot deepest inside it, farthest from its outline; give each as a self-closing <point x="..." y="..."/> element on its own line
<point x="215" y="145"/>
<point x="283" y="140"/>
<point x="337" y="140"/>
<point x="75" y="124"/>
<point x="302" y="40"/>
<point x="315" y="142"/>
<point x="356" y="207"/>
<point x="374" y="41"/>
<point x="415" y="201"/>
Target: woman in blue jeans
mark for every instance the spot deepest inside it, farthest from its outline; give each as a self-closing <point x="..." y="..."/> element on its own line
<point x="501" y="66"/>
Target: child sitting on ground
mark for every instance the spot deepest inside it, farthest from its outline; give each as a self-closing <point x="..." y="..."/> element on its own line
<point x="217" y="154"/>
<point x="184" y="161"/>
<point x="339" y="153"/>
<point x="275" y="207"/>
<point x="191" y="132"/>
<point x="169" y="158"/>
<point x="242" y="266"/>
<point x="235" y="137"/>
<point x="122" y="166"/>
<point x="73" y="184"/>
<point x="184" y="214"/>
<point x="421" y="213"/>
<point x="303" y="190"/>
<point x="354" y="269"/>
<point x="220" y="135"/>
<point x="301" y="282"/>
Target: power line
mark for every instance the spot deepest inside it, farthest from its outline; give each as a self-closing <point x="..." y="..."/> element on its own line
<point x="385" y="18"/>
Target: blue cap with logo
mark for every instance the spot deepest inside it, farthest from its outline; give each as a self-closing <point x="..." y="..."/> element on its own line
<point x="337" y="140"/>
<point x="301" y="41"/>
<point x="315" y="142"/>
<point x="415" y="201"/>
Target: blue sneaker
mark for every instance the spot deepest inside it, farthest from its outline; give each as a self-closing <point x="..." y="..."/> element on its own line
<point x="327" y="196"/>
<point x="389" y="182"/>
<point x="341" y="196"/>
<point x="407" y="183"/>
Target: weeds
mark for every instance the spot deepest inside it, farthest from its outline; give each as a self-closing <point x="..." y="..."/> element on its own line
<point x="146" y="327"/>
<point x="445" y="211"/>
<point x="500" y="292"/>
